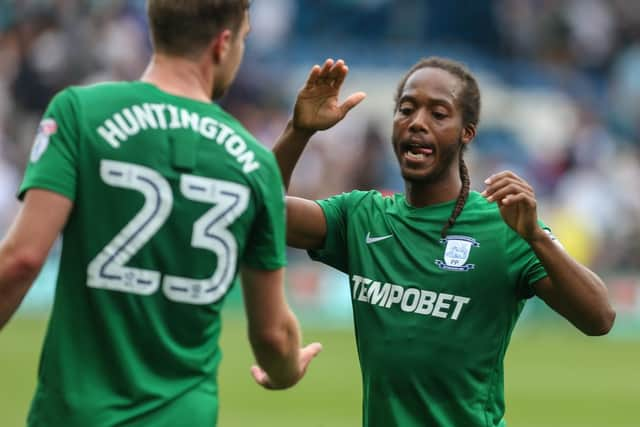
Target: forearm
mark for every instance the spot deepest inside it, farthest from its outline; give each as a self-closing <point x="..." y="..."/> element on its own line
<point x="288" y="149"/>
<point x="16" y="277"/>
<point x="278" y="352"/>
<point x="574" y="291"/>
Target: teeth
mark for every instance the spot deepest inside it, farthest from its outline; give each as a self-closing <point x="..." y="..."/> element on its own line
<point x="413" y="156"/>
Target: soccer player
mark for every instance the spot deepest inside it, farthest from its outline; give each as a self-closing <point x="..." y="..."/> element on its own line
<point x="438" y="275"/>
<point x="160" y="196"/>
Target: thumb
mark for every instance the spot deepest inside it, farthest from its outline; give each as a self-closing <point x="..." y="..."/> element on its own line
<point x="309" y="352"/>
<point x="353" y="100"/>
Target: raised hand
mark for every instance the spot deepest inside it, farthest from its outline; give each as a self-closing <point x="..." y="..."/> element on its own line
<point x="317" y="106"/>
<point x="306" y="355"/>
<point x="517" y="202"/>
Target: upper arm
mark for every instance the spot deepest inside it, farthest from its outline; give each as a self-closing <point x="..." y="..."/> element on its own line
<point x="306" y="224"/>
<point x="544" y="289"/>
<point x="38" y="224"/>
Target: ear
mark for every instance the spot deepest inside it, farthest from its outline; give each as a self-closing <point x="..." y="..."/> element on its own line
<point x="221" y="45"/>
<point x="468" y="133"/>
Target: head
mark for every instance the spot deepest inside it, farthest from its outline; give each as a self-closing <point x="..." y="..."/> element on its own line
<point x="214" y="30"/>
<point x="437" y="109"/>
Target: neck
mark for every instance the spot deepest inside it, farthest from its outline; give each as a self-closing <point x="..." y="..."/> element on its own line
<point x="179" y="76"/>
<point x="424" y="193"/>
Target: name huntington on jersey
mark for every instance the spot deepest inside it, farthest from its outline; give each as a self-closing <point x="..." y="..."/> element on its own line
<point x="131" y="120"/>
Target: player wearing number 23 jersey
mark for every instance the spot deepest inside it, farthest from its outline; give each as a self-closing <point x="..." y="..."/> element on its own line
<point x="169" y="195"/>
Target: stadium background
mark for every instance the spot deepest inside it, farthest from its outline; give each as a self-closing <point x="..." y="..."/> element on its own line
<point x="561" y="92"/>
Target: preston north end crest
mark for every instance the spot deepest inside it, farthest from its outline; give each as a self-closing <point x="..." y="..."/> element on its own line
<point x="456" y="253"/>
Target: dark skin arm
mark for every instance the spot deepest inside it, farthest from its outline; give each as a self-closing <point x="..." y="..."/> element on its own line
<point x="317" y="108"/>
<point x="571" y="289"/>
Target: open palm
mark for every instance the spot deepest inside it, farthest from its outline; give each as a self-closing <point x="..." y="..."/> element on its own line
<point x="317" y="106"/>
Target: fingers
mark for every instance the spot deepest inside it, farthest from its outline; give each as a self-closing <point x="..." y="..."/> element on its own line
<point x="260" y="377"/>
<point x="326" y="68"/>
<point x="312" y="80"/>
<point x="511" y="199"/>
<point x="320" y="75"/>
<point x="504" y="184"/>
<point x="331" y="73"/>
<point x="352" y="101"/>
<point x="337" y="73"/>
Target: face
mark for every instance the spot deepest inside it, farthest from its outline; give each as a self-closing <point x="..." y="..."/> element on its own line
<point x="229" y="67"/>
<point x="427" y="126"/>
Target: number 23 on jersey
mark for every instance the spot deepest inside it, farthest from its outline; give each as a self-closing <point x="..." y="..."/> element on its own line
<point x="108" y="269"/>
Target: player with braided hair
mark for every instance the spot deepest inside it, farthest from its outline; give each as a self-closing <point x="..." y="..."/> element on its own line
<point x="439" y="274"/>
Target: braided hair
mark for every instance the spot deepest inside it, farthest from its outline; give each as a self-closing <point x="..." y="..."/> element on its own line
<point x="469" y="103"/>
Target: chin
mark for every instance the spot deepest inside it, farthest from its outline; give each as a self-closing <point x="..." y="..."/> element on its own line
<point x="414" y="175"/>
<point x="424" y="176"/>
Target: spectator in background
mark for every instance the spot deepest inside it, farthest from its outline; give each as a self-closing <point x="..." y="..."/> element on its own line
<point x="161" y="197"/>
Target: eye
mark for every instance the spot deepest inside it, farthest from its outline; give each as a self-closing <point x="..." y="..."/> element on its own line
<point x="405" y="110"/>
<point x="439" y="115"/>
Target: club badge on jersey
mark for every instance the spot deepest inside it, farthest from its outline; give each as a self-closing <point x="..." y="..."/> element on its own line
<point x="456" y="253"/>
<point x="47" y="128"/>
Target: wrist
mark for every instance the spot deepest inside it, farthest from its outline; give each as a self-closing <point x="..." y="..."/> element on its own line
<point x="298" y="132"/>
<point x="538" y="236"/>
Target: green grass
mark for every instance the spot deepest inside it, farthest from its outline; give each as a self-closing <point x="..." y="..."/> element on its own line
<point x="554" y="378"/>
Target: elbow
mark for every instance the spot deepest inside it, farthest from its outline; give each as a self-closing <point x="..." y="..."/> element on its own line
<point x="23" y="266"/>
<point x="603" y="324"/>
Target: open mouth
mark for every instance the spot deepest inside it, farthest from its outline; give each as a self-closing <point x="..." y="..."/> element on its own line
<point x="417" y="152"/>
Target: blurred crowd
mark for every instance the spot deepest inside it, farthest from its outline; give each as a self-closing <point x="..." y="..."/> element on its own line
<point x="560" y="81"/>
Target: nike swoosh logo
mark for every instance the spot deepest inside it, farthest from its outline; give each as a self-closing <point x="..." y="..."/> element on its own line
<point x="370" y="239"/>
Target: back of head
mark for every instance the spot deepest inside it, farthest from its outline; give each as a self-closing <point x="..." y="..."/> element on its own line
<point x="184" y="27"/>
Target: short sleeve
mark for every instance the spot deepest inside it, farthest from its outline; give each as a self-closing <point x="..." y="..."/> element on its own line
<point x="334" y="251"/>
<point x="266" y="248"/>
<point x="52" y="162"/>
<point x="530" y="268"/>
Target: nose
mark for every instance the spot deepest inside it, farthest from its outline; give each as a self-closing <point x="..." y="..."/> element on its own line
<point x="418" y="121"/>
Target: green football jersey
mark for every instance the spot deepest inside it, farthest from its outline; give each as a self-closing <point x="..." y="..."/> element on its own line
<point x="433" y="317"/>
<point x="170" y="195"/>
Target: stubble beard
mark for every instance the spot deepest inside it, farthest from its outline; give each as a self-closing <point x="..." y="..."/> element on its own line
<point x="447" y="157"/>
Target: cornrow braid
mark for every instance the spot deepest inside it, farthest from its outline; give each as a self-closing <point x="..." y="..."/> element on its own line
<point x="462" y="197"/>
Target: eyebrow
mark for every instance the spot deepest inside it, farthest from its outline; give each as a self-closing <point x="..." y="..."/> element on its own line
<point x="432" y="101"/>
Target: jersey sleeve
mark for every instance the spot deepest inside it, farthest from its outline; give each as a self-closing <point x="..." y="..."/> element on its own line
<point x="334" y="252"/>
<point x="266" y="248"/>
<point x="52" y="163"/>
<point x="530" y="269"/>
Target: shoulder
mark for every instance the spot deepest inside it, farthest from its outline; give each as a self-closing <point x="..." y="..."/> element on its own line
<point x="90" y="97"/>
<point x="478" y="205"/>
<point x="260" y="150"/>
<point x="98" y="89"/>
<point x="363" y="200"/>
